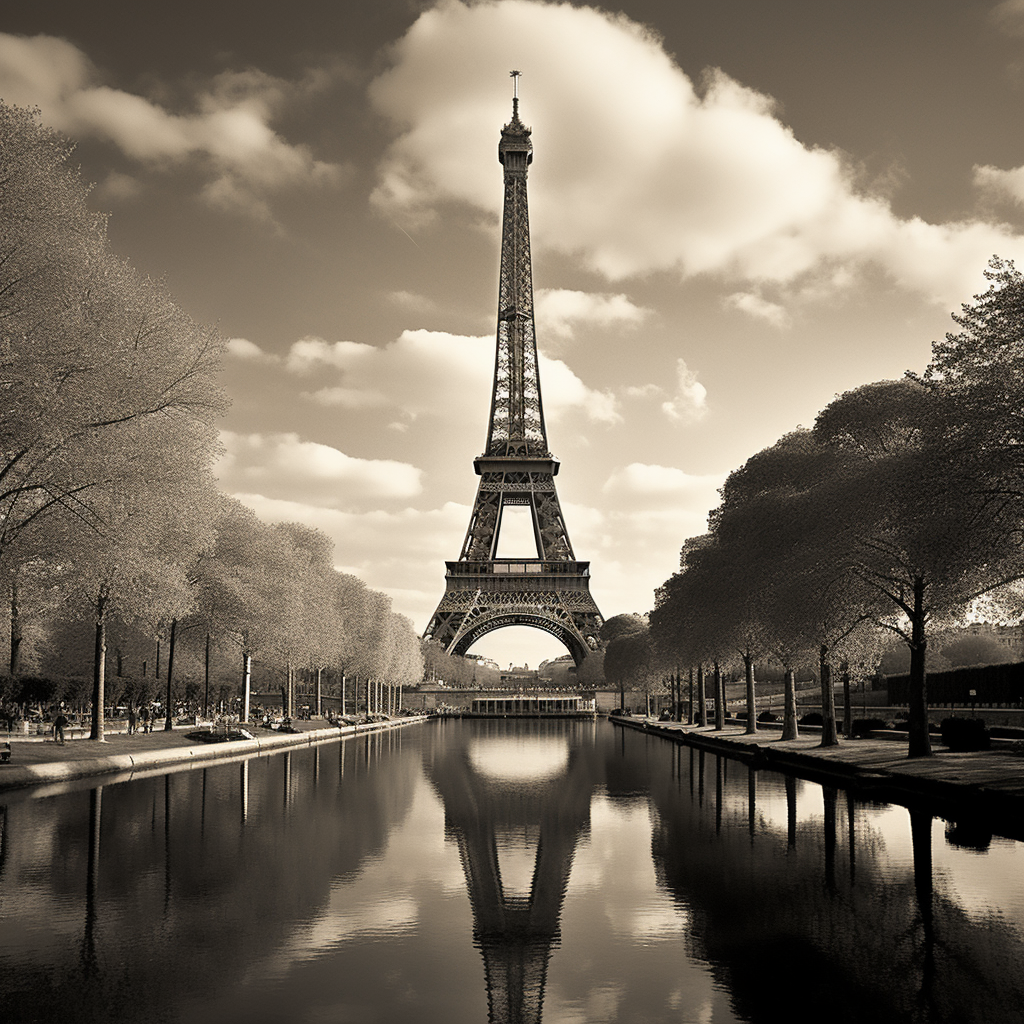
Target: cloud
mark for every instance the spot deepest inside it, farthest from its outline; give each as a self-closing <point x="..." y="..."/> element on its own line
<point x="305" y="470"/>
<point x="227" y="133"/>
<point x="559" y="311"/>
<point x="433" y="373"/>
<point x="647" y="174"/>
<point x="644" y="390"/>
<point x="999" y="183"/>
<point x="1008" y="17"/>
<point x="639" y="479"/>
<point x="249" y="351"/>
<point x="759" y="308"/>
<point x="690" y="402"/>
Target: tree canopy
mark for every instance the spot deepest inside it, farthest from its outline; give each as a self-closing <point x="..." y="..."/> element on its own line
<point x="894" y="513"/>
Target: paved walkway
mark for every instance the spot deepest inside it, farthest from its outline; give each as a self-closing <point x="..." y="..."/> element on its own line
<point x="987" y="781"/>
<point x="35" y="761"/>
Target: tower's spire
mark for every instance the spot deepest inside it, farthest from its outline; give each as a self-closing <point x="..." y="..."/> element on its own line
<point x="515" y="94"/>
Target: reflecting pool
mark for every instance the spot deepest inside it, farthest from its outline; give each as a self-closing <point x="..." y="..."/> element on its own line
<point x="505" y="871"/>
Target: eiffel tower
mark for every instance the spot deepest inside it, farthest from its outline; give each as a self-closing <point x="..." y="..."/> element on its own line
<point x="552" y="591"/>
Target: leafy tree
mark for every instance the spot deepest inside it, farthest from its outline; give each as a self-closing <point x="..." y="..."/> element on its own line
<point x="133" y="561"/>
<point x="913" y="526"/>
<point x="92" y="356"/>
<point x="243" y="584"/>
<point x="109" y="394"/>
<point x="627" y="652"/>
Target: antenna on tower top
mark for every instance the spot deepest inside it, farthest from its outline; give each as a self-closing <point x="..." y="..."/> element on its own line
<point x="515" y="92"/>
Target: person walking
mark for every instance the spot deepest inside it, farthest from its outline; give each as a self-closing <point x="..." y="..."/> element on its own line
<point x="58" y="728"/>
<point x="145" y="718"/>
<point x="132" y="721"/>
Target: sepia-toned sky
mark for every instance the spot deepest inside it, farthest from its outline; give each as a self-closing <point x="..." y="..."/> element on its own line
<point x="738" y="210"/>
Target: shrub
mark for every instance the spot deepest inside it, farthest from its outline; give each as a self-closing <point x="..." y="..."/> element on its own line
<point x="964" y="734"/>
<point x="812" y="718"/>
<point x="767" y="716"/>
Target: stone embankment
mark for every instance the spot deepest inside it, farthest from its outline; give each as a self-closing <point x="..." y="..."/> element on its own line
<point x="35" y="763"/>
<point x="950" y="783"/>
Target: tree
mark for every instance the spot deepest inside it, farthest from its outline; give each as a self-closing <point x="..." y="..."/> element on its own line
<point x="627" y="651"/>
<point x="244" y="586"/>
<point x="914" y="525"/>
<point x="89" y="350"/>
<point x="134" y="560"/>
<point x="109" y="391"/>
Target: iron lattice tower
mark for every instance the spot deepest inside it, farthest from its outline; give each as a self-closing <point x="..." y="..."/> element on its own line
<point x="551" y="591"/>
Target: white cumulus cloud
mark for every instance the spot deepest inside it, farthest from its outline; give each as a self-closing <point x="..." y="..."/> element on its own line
<point x="227" y="132"/>
<point x="434" y="373"/>
<point x="690" y="400"/>
<point x="758" y="307"/>
<point x="647" y="173"/>
<point x="284" y="464"/>
<point x="560" y="311"/>
<point x="248" y="351"/>
<point x="644" y="480"/>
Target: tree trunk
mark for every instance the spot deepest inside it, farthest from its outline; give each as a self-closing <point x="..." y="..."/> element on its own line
<point x="16" y="635"/>
<point x="246" y="681"/>
<point x="206" y="680"/>
<point x="343" y="712"/>
<point x="829" y="737"/>
<point x="290" y="677"/>
<point x="748" y="669"/>
<point x="847" y="709"/>
<point x="702" y="697"/>
<point x="689" y="716"/>
<point x="622" y="695"/>
<point x="169" y="720"/>
<point x="789" y="726"/>
<point x="920" y="742"/>
<point x="719" y="698"/>
<point x="98" y="667"/>
<point x="319" y="693"/>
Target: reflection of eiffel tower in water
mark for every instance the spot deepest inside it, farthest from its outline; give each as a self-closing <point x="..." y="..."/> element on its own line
<point x="515" y="932"/>
<point x="552" y="591"/>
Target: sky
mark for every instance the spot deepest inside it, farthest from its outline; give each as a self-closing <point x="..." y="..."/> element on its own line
<point x="738" y="211"/>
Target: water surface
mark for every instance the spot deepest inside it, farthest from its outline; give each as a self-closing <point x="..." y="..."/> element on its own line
<point x="505" y="871"/>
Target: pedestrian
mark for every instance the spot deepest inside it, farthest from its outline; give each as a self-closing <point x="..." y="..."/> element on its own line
<point x="58" y="728"/>
<point x="145" y="718"/>
<point x="132" y="721"/>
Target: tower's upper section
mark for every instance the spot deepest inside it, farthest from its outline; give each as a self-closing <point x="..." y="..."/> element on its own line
<point x="516" y="429"/>
<point x="515" y="150"/>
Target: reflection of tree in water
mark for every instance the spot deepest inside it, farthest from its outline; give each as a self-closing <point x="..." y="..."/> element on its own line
<point x="213" y="868"/>
<point x="514" y="932"/>
<point x="788" y="909"/>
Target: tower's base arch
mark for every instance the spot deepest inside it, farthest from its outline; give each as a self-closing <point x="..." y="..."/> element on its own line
<point x="481" y="597"/>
